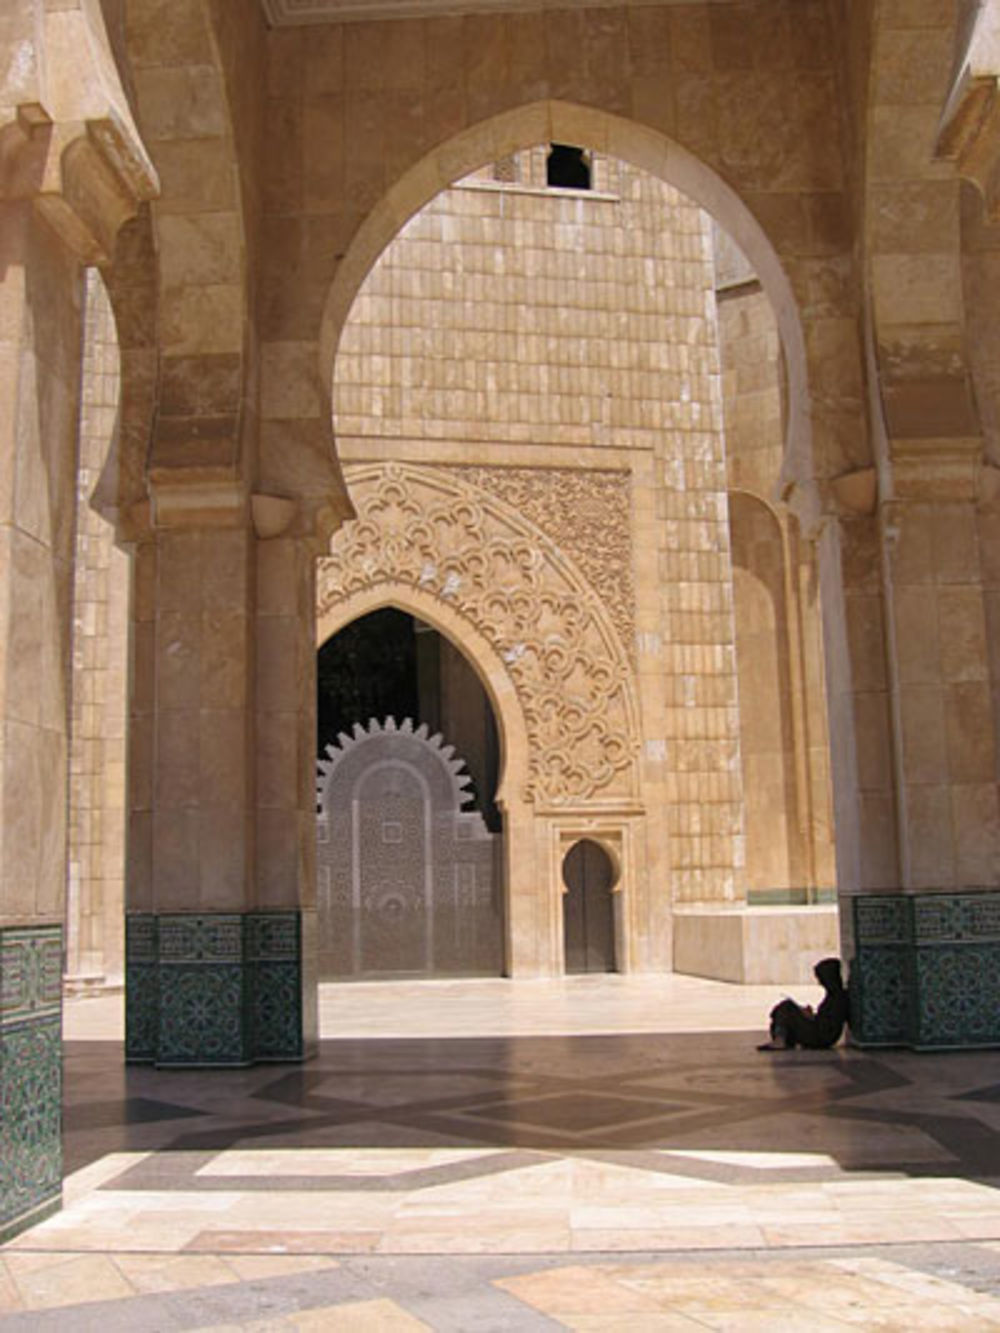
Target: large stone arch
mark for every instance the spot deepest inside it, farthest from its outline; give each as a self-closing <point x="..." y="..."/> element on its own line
<point x="556" y="671"/>
<point x="643" y="147"/>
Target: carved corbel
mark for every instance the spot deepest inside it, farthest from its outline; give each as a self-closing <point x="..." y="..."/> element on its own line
<point x="970" y="137"/>
<point x="855" y="492"/>
<point x="85" y="177"/>
<point x="969" y="132"/>
<point x="272" y="515"/>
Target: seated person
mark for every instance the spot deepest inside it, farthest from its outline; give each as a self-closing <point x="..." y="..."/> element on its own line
<point x="797" y="1025"/>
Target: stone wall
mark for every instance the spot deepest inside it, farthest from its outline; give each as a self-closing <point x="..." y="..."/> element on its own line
<point x="95" y="889"/>
<point x="783" y="725"/>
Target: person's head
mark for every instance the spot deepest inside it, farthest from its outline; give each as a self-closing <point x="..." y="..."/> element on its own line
<point x="827" y="973"/>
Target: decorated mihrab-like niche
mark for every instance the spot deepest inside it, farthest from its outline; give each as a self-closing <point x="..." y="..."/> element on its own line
<point x="407" y="877"/>
<point x="420" y="527"/>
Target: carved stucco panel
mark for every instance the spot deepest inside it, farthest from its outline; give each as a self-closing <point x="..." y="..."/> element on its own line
<point x="587" y="515"/>
<point x="511" y="582"/>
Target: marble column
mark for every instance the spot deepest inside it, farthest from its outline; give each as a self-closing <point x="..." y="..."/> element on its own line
<point x="925" y="949"/>
<point x="40" y="314"/>
<point x="220" y="864"/>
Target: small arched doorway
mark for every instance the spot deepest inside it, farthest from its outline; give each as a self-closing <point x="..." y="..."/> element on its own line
<point x="588" y="909"/>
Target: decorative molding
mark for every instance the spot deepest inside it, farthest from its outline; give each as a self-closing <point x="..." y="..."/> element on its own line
<point x="586" y="514"/>
<point x="497" y="570"/>
<point x="289" y="13"/>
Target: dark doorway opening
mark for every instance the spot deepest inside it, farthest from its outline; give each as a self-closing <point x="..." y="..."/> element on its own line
<point x="390" y="664"/>
<point x="588" y="909"/>
<point x="410" y="837"/>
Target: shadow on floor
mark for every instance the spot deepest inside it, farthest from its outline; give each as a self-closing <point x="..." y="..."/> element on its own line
<point x="720" y="1109"/>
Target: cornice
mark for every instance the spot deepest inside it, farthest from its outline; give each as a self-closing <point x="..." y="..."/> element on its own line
<point x="291" y="13"/>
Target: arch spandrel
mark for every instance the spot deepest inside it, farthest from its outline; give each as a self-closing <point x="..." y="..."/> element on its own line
<point x="501" y="577"/>
<point x="650" y="150"/>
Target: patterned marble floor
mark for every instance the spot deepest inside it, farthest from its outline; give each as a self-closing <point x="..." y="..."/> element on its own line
<point x="525" y="1179"/>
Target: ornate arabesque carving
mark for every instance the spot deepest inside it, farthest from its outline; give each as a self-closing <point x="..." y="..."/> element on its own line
<point x="586" y="513"/>
<point x="418" y="526"/>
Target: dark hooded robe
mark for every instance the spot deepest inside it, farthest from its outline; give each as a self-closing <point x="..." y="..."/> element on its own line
<point x="795" y="1026"/>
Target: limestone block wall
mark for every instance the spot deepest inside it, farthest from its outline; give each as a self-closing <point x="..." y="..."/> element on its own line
<point x="783" y="725"/>
<point x="94" y="899"/>
<point x="512" y="331"/>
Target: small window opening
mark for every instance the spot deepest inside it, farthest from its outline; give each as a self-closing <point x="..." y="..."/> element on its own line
<point x="567" y="168"/>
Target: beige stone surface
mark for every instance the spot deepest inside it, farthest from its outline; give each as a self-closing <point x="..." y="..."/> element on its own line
<point x="830" y="144"/>
<point x="95" y="886"/>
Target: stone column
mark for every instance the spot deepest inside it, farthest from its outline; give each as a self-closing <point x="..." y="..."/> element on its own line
<point x="73" y="171"/>
<point x="221" y="870"/>
<point x="288" y="941"/>
<point x="945" y="746"/>
<point x="39" y="377"/>
<point x="191" y="821"/>
<point x="859" y="708"/>
<point x="925" y="944"/>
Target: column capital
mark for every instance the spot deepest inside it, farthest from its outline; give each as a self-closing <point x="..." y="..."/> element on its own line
<point x="945" y="469"/>
<point x="196" y="498"/>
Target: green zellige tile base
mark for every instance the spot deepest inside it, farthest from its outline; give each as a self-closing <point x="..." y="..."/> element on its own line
<point x="926" y="970"/>
<point x="215" y="989"/>
<point x="30" y="1074"/>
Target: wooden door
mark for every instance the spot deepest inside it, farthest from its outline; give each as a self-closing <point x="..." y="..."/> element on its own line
<point x="588" y="909"/>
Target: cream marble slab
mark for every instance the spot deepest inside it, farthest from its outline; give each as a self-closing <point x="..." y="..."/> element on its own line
<point x="483" y="1007"/>
<point x="566" y="1203"/>
<point x="760" y="1161"/>
<point x="337" y="1161"/>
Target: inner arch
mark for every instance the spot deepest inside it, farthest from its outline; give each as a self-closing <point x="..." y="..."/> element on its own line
<point x="553" y="121"/>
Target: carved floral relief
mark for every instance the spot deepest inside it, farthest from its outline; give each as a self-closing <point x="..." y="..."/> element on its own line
<point x="496" y="569"/>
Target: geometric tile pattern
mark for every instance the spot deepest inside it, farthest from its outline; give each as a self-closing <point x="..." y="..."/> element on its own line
<point x="570" y="1147"/>
<point x="30" y="1074"/>
<point x="881" y="995"/>
<point x="141" y="988"/>
<point x="705" y="1107"/>
<point x="274" y="956"/>
<point x="203" y="1012"/>
<point x="958" y="990"/>
<point x="926" y="970"/>
<point x="615" y="1181"/>
<point x="214" y="989"/>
